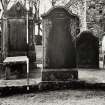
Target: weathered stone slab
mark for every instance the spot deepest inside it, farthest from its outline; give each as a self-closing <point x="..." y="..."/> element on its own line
<point x="59" y="74"/>
<point x="87" y="50"/>
<point x="59" y="29"/>
<point x="59" y="52"/>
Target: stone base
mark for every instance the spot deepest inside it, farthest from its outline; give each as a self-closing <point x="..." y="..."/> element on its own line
<point x="57" y="85"/>
<point x="59" y="74"/>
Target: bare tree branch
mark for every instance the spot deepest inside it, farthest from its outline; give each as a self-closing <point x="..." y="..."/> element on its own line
<point x="2" y="4"/>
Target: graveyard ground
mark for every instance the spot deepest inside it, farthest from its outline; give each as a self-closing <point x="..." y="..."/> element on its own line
<point x="61" y="97"/>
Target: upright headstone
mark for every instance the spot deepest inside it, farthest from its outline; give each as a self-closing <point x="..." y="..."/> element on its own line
<point x="14" y="34"/>
<point x="87" y="50"/>
<point x="59" y="31"/>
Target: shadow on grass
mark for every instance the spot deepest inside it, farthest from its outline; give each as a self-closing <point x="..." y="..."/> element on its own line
<point x="46" y="87"/>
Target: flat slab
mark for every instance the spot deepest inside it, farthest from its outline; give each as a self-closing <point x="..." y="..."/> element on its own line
<point x="16" y="59"/>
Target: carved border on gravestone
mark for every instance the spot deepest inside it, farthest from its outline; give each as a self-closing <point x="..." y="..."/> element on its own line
<point x="47" y="26"/>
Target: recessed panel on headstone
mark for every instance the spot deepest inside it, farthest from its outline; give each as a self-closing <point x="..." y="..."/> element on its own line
<point x="17" y="35"/>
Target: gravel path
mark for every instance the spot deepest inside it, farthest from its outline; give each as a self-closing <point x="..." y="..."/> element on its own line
<point x="62" y="97"/>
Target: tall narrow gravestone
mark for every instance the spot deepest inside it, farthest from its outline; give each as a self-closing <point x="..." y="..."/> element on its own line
<point x="15" y="37"/>
<point x="59" y="58"/>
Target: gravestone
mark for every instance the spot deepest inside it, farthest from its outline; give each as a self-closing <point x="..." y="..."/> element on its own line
<point x="14" y="34"/>
<point x="87" y="50"/>
<point x="59" y="31"/>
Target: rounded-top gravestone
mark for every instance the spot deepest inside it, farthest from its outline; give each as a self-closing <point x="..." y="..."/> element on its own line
<point x="87" y="50"/>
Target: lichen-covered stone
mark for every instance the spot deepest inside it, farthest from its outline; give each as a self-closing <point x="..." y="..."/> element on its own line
<point x="59" y="74"/>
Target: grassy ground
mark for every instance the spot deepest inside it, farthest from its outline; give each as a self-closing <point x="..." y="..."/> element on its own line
<point x="62" y="97"/>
